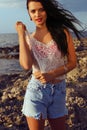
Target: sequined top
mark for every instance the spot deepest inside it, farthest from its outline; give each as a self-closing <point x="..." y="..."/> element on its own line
<point x="46" y="57"/>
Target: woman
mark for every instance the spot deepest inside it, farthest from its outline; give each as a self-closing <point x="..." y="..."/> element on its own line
<point x="44" y="51"/>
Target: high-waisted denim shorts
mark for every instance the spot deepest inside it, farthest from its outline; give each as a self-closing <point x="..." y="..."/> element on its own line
<point x="44" y="100"/>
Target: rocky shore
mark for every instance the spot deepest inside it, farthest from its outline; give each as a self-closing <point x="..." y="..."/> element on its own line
<point x="13" y="86"/>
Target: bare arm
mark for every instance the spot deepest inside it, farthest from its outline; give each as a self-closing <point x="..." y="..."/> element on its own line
<point x="71" y="58"/>
<point x="25" y="57"/>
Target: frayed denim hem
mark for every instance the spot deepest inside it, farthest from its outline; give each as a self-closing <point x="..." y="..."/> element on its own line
<point x="36" y="116"/>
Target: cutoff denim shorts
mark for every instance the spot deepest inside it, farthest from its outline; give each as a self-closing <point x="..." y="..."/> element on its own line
<point x="44" y="100"/>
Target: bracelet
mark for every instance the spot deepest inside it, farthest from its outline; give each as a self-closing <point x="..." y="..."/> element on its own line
<point x="65" y="68"/>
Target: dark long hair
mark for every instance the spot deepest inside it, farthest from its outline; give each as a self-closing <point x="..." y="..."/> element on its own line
<point x="58" y="20"/>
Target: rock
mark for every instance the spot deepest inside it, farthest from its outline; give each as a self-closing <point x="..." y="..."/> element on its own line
<point x="13" y="87"/>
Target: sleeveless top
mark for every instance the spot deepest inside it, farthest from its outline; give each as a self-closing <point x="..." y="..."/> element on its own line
<point x="46" y="57"/>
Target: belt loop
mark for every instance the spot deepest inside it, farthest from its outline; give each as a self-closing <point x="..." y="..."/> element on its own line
<point x="44" y="86"/>
<point x="52" y="88"/>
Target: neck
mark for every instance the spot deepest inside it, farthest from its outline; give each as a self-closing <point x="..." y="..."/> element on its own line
<point x="41" y="29"/>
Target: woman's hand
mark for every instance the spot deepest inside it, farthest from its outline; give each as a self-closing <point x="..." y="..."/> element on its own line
<point x="20" y="28"/>
<point x="44" y="77"/>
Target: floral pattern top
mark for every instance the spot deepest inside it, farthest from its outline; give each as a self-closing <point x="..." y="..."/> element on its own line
<point x="46" y="56"/>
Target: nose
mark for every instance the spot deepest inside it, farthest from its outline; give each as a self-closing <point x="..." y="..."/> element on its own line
<point x="37" y="13"/>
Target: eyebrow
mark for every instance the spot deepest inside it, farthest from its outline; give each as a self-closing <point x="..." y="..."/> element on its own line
<point x="36" y="9"/>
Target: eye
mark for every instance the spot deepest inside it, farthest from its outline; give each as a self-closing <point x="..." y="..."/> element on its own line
<point x="41" y="9"/>
<point x="32" y="11"/>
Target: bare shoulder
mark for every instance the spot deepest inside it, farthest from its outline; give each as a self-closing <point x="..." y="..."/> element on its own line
<point x="68" y="35"/>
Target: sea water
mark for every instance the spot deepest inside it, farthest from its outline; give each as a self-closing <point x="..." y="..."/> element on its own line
<point x="9" y="66"/>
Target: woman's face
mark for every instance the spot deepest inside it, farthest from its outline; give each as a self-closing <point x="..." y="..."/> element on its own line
<point x="37" y="13"/>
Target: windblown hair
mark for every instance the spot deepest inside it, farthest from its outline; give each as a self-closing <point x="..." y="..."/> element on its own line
<point x="58" y="20"/>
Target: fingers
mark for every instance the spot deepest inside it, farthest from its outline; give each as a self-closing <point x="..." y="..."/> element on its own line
<point x="20" y="24"/>
<point x="37" y="74"/>
<point x="40" y="76"/>
<point x="43" y="81"/>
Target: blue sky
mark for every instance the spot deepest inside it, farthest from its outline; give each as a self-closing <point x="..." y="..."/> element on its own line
<point x="15" y="10"/>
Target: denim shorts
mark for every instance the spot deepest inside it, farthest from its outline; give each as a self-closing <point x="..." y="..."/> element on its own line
<point x="44" y="100"/>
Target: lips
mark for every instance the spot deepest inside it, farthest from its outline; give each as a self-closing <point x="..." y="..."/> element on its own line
<point x="39" y="19"/>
